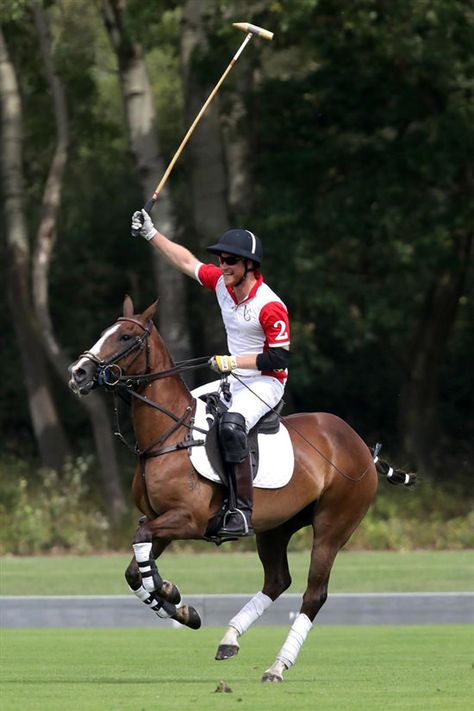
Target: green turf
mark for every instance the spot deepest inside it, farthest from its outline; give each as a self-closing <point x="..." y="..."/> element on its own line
<point x="227" y="572"/>
<point x="343" y="668"/>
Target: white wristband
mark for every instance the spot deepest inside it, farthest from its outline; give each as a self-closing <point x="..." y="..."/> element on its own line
<point x="149" y="235"/>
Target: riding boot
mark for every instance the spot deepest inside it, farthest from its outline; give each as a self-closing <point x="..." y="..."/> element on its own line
<point x="238" y="520"/>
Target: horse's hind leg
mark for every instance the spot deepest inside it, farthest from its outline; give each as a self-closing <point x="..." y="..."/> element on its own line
<point x="272" y="550"/>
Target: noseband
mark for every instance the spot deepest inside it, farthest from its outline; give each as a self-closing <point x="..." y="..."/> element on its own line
<point x="108" y="372"/>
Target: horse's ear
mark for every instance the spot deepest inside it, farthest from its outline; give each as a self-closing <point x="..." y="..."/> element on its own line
<point x="127" y="306"/>
<point x="150" y="311"/>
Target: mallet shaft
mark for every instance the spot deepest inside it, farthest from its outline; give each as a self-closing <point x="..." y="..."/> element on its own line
<point x="183" y="143"/>
<point x="251" y="31"/>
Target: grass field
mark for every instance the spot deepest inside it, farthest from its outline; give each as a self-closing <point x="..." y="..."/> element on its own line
<point x="227" y="572"/>
<point x="339" y="668"/>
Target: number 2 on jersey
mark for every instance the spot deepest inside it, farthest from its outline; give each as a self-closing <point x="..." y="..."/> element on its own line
<point x="282" y="334"/>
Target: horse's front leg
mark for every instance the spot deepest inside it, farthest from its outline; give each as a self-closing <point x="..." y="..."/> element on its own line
<point x="151" y="538"/>
<point x="272" y="551"/>
<point x="163" y="588"/>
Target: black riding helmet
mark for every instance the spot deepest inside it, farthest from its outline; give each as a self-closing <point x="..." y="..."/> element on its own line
<point x="240" y="243"/>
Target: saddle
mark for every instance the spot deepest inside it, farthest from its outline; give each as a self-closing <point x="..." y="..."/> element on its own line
<point x="215" y="407"/>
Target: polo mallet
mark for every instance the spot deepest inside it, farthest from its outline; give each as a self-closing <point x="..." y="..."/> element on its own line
<point x="251" y="31"/>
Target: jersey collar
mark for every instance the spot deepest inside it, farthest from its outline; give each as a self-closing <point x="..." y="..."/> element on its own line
<point x="252" y="291"/>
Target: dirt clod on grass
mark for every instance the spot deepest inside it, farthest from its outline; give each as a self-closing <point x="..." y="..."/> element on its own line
<point x="223" y="688"/>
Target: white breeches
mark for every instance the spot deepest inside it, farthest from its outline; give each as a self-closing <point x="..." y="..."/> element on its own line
<point x="246" y="401"/>
<point x="261" y="394"/>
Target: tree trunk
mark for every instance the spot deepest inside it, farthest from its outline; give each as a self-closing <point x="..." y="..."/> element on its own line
<point x="49" y="434"/>
<point x="418" y="415"/>
<point x="143" y="138"/>
<point x="205" y="149"/>
<point x="238" y="147"/>
<point x="205" y="154"/>
<point x="94" y="406"/>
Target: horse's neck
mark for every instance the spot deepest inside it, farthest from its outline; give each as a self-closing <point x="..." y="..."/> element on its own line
<point x="169" y="393"/>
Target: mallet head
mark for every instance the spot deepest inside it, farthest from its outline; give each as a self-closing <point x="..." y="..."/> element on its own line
<point x="254" y="29"/>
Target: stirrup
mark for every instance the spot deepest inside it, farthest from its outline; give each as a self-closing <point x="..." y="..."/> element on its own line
<point x="242" y="530"/>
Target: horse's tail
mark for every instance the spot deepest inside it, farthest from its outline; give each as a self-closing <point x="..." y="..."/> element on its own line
<point x="393" y="476"/>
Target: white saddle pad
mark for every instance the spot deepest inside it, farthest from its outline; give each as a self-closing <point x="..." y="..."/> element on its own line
<point x="276" y="457"/>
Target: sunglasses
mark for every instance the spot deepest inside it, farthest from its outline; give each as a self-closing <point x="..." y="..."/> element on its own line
<point x="230" y="261"/>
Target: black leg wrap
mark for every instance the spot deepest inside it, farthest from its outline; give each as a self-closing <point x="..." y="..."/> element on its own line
<point x="169" y="608"/>
<point x="156" y="604"/>
<point x="148" y="569"/>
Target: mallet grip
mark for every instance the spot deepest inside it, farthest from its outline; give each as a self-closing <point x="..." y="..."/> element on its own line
<point x="149" y="206"/>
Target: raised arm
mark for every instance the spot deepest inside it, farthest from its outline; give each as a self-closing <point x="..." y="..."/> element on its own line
<point x="177" y="255"/>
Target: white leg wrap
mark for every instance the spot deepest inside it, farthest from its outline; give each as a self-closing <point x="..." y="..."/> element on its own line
<point x="141" y="593"/>
<point x="150" y="601"/>
<point x="250" y="612"/>
<point x="143" y="554"/>
<point x="296" y="636"/>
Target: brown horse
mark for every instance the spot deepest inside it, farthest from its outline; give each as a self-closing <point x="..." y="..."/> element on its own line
<point x="333" y="483"/>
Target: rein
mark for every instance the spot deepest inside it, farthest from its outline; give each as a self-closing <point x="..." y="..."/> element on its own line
<point x="292" y="427"/>
<point x="179" y="421"/>
<point x="181" y="366"/>
<point x="110" y="374"/>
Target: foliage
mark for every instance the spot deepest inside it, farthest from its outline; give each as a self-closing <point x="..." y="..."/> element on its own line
<point x="49" y="511"/>
<point x="43" y="511"/>
<point x="366" y="177"/>
<point x="360" y="120"/>
<point x="430" y="516"/>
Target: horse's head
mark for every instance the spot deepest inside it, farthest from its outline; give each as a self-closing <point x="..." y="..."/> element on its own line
<point x="120" y="349"/>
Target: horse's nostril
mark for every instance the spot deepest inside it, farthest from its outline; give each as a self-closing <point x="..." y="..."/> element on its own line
<point x="79" y="374"/>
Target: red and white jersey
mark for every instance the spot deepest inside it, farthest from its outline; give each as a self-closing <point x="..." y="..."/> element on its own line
<point x="256" y="324"/>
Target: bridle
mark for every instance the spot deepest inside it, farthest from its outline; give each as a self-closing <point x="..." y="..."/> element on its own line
<point x="115" y="378"/>
<point x="108" y="372"/>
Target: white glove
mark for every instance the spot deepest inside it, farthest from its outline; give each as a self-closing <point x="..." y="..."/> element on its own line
<point x="142" y="225"/>
<point x="223" y="363"/>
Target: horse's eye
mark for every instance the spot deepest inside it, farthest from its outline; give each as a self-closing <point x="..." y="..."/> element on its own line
<point x="125" y="337"/>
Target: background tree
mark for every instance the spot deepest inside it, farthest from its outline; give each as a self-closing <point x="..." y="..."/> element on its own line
<point x="47" y="425"/>
<point x="352" y="133"/>
<point x="44" y="246"/>
<point x="143" y="137"/>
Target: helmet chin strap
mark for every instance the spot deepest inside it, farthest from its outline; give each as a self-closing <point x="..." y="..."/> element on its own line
<point x="247" y="270"/>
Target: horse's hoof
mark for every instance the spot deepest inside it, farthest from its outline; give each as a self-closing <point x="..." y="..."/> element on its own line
<point x="194" y="619"/>
<point x="170" y="592"/>
<point x="188" y="616"/>
<point x="270" y="678"/>
<point x="226" y="651"/>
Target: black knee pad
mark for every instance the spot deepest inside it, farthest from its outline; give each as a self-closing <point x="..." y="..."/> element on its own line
<point x="233" y="437"/>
